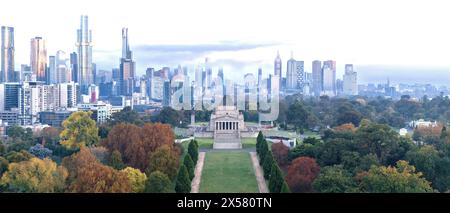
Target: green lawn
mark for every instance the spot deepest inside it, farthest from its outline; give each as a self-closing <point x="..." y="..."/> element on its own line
<point x="226" y="172"/>
<point x="207" y="143"/>
<point x="248" y="142"/>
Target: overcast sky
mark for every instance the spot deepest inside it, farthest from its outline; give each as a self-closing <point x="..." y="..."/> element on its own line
<point x="242" y="35"/>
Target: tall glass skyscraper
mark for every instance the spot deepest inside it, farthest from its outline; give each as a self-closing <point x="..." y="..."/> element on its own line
<point x="84" y="44"/>
<point x="7" y="54"/>
<point x="277" y="68"/>
<point x="329" y="77"/>
<point x="350" y="86"/>
<point x="127" y="66"/>
<point x="317" y="75"/>
<point x="291" y="74"/>
<point x="38" y="58"/>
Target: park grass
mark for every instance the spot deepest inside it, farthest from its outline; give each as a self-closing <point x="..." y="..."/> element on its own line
<point x="207" y="143"/>
<point x="227" y="172"/>
<point x="248" y="142"/>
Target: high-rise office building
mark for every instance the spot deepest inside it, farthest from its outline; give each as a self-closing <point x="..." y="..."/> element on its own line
<point x="25" y="72"/>
<point x="67" y="94"/>
<point x="259" y="77"/>
<point x="208" y="70"/>
<point x="198" y="77"/>
<point x="166" y="93"/>
<point x="52" y="69"/>
<point x="93" y="92"/>
<point x="116" y="74"/>
<point x="149" y="75"/>
<point x="74" y="66"/>
<point x="350" y="81"/>
<point x="317" y="77"/>
<point x="38" y="59"/>
<point x="94" y="73"/>
<point x="9" y="93"/>
<point x="63" y="72"/>
<point x="278" y="68"/>
<point x="300" y="74"/>
<point x="31" y="102"/>
<point x="295" y="74"/>
<point x="7" y="54"/>
<point x="84" y="62"/>
<point x="329" y="77"/>
<point x="127" y="66"/>
<point x="143" y="87"/>
<point x="291" y="74"/>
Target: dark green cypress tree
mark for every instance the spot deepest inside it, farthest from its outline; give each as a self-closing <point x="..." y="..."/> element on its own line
<point x="267" y="165"/>
<point x="195" y="143"/>
<point x="259" y="141"/>
<point x="183" y="184"/>
<point x="189" y="166"/>
<point x="275" y="181"/>
<point x="264" y="149"/>
<point x="193" y="151"/>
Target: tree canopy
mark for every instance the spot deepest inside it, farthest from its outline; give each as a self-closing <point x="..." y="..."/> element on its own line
<point x="34" y="175"/>
<point x="79" y="131"/>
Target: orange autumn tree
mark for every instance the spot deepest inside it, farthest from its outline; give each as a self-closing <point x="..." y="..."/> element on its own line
<point x="86" y="174"/>
<point x="348" y="127"/>
<point x="301" y="174"/>
<point x="136" y="144"/>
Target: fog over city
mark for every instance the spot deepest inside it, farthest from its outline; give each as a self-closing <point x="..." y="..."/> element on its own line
<point x="406" y="41"/>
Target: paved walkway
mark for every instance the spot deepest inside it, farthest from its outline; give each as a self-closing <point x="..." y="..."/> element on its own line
<point x="262" y="186"/>
<point x="195" y="185"/>
<point x="227" y="150"/>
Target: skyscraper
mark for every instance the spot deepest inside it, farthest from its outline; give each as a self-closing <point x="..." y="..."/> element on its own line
<point x="166" y="93"/>
<point x="350" y="81"/>
<point x="295" y="74"/>
<point x="7" y="54"/>
<point x="38" y="59"/>
<point x="52" y="69"/>
<point x="26" y="73"/>
<point x="84" y="44"/>
<point x="300" y="74"/>
<point x="198" y="77"/>
<point x="317" y="75"/>
<point x="208" y="73"/>
<point x="127" y="66"/>
<point x="63" y="72"/>
<point x="9" y="94"/>
<point x="291" y="74"/>
<point x="329" y="77"/>
<point x="259" y="77"/>
<point x="149" y="76"/>
<point x="74" y="66"/>
<point x="277" y="67"/>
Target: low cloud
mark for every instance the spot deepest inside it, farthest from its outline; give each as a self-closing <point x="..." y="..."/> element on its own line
<point x="203" y="48"/>
<point x="172" y="55"/>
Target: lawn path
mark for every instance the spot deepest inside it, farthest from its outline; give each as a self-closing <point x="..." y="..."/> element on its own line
<point x="262" y="186"/>
<point x="195" y="185"/>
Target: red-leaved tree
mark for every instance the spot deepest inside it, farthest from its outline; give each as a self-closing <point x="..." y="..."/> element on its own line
<point x="301" y="174"/>
<point x="135" y="143"/>
<point x="280" y="153"/>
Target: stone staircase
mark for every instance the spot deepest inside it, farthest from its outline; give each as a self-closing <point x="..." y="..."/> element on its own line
<point x="227" y="141"/>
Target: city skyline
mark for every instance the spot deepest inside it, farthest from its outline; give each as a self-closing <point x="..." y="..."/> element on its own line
<point x="249" y="43"/>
